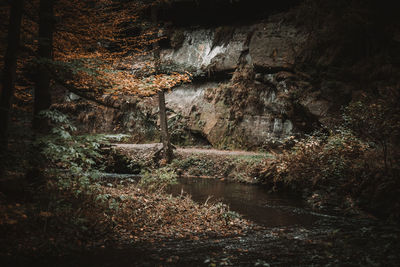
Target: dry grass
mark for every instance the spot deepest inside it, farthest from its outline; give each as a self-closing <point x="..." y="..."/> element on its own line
<point x="338" y="171"/>
<point x="149" y="216"/>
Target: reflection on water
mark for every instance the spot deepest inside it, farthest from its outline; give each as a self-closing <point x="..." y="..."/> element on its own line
<point x="253" y="202"/>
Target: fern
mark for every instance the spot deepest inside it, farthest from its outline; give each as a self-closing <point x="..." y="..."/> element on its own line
<point x="74" y="160"/>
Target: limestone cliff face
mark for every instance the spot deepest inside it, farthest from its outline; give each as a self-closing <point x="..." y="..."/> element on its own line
<point x="251" y="105"/>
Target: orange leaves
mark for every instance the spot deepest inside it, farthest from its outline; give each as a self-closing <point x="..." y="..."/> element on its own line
<point x="126" y="83"/>
<point x="99" y="35"/>
<point x="151" y="216"/>
<point x="94" y="34"/>
<point x="163" y="81"/>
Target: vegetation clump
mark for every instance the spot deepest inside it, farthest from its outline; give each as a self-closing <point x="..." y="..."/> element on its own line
<point x="239" y="168"/>
<point x="338" y="170"/>
<point x="158" y="180"/>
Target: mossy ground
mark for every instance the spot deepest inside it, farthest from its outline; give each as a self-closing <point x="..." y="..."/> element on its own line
<point x="239" y="168"/>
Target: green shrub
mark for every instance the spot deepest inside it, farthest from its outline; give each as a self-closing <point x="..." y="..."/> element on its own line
<point x="74" y="161"/>
<point x="158" y="180"/>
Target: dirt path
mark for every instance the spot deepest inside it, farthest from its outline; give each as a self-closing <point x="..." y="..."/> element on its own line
<point x="190" y="150"/>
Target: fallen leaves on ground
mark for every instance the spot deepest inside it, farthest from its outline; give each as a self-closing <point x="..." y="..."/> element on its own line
<point x="145" y="215"/>
<point x="80" y="223"/>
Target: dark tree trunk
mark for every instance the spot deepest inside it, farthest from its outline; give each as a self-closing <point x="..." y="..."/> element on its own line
<point x="9" y="72"/>
<point x="167" y="148"/>
<point x="45" y="55"/>
<point x="167" y="152"/>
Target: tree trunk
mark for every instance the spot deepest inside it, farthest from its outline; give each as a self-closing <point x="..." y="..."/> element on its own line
<point x="42" y="99"/>
<point x="9" y="72"/>
<point x="167" y="148"/>
<point x="167" y="152"/>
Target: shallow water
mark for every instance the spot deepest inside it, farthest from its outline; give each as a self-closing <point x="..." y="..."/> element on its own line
<point x="251" y="201"/>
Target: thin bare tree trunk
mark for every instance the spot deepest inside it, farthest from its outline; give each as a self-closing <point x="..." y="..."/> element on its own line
<point x="167" y="152"/>
<point x="9" y="72"/>
<point x="42" y="99"/>
<point x="165" y="139"/>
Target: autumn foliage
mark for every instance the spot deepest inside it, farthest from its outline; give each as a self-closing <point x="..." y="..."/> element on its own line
<point x="95" y="44"/>
<point x="338" y="170"/>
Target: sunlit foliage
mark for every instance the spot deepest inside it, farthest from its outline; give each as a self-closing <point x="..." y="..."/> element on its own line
<point x="95" y="45"/>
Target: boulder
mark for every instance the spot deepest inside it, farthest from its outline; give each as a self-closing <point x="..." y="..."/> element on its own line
<point x="274" y="47"/>
<point x="201" y="53"/>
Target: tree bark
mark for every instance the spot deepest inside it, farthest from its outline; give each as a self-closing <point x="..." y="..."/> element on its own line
<point x="167" y="152"/>
<point x="42" y="99"/>
<point x="9" y="72"/>
<point x="167" y="148"/>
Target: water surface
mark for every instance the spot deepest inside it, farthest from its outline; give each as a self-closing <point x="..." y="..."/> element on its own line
<point x="251" y="201"/>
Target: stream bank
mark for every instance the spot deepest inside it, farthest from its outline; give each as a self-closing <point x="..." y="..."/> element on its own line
<point x="315" y="177"/>
<point x="233" y="165"/>
<point x="349" y="243"/>
<point x="323" y="241"/>
<point x="140" y="228"/>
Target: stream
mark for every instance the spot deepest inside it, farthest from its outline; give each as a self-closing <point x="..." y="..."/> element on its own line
<point x="289" y="234"/>
<point x="251" y="201"/>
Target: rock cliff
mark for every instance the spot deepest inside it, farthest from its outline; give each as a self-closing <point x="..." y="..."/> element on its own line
<point x="244" y="82"/>
<point x="263" y="72"/>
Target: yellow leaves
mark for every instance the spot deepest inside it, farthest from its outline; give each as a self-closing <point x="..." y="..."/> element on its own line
<point x="85" y="27"/>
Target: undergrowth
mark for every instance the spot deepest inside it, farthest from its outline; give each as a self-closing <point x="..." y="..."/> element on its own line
<point x="73" y="161"/>
<point x="74" y="209"/>
<point x="338" y="170"/>
<point x="158" y="180"/>
<point x="236" y="168"/>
